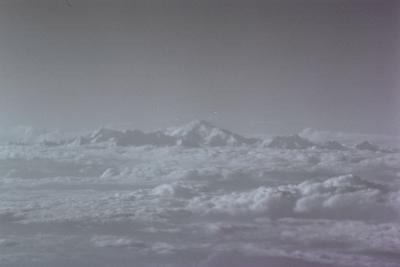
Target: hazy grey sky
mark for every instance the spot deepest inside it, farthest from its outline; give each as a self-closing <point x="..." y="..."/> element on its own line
<point x="252" y="66"/>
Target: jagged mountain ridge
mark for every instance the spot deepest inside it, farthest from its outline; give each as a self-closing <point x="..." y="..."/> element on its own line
<point x="194" y="134"/>
<point x="298" y="142"/>
<point x="290" y="142"/>
<point x="203" y="133"/>
<point x="200" y="133"/>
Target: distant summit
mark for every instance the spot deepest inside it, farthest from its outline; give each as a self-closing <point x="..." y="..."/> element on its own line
<point x="290" y="142"/>
<point x="203" y="133"/>
<point x="127" y="138"/>
<point x="374" y="148"/>
<point x="332" y="145"/>
<point x="194" y="134"/>
<point x="367" y="146"/>
<point x="198" y="133"/>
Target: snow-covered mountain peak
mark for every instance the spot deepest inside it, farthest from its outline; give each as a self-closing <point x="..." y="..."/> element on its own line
<point x="332" y="145"/>
<point x="193" y="126"/>
<point x="367" y="146"/>
<point x="105" y="135"/>
<point x="290" y="142"/>
<point x="204" y="133"/>
<point x="130" y="137"/>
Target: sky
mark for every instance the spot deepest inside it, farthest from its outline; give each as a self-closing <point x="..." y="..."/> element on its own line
<point x="250" y="66"/>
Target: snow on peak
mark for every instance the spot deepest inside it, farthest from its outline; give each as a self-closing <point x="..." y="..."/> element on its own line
<point x="290" y="142"/>
<point x="332" y="145"/>
<point x="105" y="135"/>
<point x="375" y="148"/>
<point x="197" y="125"/>
<point x="129" y="137"/>
<point x="194" y="134"/>
<point x="203" y="133"/>
<point x="297" y="141"/>
<point x="198" y="133"/>
<point x="367" y="146"/>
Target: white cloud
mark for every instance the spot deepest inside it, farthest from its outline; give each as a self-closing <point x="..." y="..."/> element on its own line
<point x="116" y="241"/>
<point x="343" y="197"/>
<point x="205" y="205"/>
